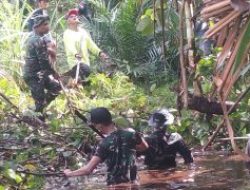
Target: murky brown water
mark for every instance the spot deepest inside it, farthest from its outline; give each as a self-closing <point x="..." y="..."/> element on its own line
<point x="210" y="172"/>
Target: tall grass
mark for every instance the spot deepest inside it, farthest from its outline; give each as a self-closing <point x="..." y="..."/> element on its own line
<point x="12" y="37"/>
<point x="13" y="34"/>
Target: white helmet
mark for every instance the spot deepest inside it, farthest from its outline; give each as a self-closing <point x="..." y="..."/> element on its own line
<point x="161" y="118"/>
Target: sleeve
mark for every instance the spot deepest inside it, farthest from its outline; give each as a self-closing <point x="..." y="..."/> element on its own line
<point x="101" y="151"/>
<point x="184" y="151"/>
<point x="42" y="56"/>
<point x="92" y="47"/>
<point x="134" y="136"/>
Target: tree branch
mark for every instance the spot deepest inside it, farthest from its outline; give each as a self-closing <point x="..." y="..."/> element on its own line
<point x="229" y="112"/>
<point x="8" y="101"/>
<point x="41" y="174"/>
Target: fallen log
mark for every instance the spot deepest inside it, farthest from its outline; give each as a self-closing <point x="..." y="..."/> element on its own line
<point x="204" y="105"/>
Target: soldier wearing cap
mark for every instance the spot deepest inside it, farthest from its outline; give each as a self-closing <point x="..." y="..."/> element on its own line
<point x="38" y="72"/>
<point x="164" y="146"/>
<point x="117" y="150"/>
<point x="41" y="10"/>
<point x="78" y="43"/>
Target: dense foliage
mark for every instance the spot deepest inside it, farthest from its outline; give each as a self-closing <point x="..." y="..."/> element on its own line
<point x="144" y="78"/>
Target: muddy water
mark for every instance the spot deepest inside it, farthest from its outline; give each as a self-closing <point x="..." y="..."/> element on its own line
<point x="210" y="172"/>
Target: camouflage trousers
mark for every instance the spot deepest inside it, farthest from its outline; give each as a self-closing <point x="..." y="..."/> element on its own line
<point x="43" y="90"/>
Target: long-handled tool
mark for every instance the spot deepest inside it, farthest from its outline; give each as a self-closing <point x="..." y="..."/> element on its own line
<point x="78" y="58"/>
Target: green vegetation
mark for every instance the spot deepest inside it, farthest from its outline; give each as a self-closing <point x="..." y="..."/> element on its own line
<point x="144" y="78"/>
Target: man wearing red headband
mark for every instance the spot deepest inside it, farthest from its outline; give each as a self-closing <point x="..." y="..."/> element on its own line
<point x="78" y="42"/>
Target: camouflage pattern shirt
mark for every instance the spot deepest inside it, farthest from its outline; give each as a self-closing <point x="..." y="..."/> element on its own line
<point x="37" y="58"/>
<point x="118" y="152"/>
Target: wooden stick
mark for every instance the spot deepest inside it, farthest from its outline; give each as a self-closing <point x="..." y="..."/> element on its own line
<point x="222" y="122"/>
<point x="216" y="6"/>
<point x="190" y="35"/>
<point x="32" y="121"/>
<point x="230" y="63"/>
<point x="230" y="128"/>
<point x="41" y="174"/>
<point x="163" y="28"/>
<point x="8" y="101"/>
<point x="229" y="43"/>
<point x="217" y="12"/>
<point x="182" y="58"/>
<point x="222" y="23"/>
<point x="235" y="138"/>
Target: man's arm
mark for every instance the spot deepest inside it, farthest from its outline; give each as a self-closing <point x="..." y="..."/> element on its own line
<point x="93" y="48"/>
<point x="91" y="45"/>
<point x="141" y="144"/>
<point x="85" y="170"/>
<point x="184" y="151"/>
<point x="43" y="57"/>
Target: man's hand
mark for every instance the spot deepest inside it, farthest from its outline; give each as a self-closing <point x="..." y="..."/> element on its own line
<point x="67" y="172"/>
<point x="51" y="48"/>
<point x="103" y="56"/>
<point x="78" y="57"/>
<point x="56" y="76"/>
<point x="74" y="83"/>
<point x="98" y="138"/>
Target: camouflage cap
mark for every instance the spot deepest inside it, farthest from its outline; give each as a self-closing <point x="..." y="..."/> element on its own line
<point x="38" y="20"/>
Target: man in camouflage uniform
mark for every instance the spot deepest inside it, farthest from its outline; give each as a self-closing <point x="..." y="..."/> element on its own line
<point x="38" y="72"/>
<point x="42" y="11"/>
<point x="118" y="150"/>
<point x="163" y="146"/>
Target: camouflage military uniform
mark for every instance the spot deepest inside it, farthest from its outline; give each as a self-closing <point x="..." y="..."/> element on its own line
<point x="118" y="151"/>
<point x="161" y="154"/>
<point x="37" y="71"/>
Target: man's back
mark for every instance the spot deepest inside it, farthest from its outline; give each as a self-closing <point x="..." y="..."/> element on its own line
<point x="161" y="153"/>
<point x="118" y="151"/>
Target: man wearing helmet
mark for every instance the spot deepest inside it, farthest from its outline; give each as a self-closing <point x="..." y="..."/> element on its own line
<point x="163" y="146"/>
